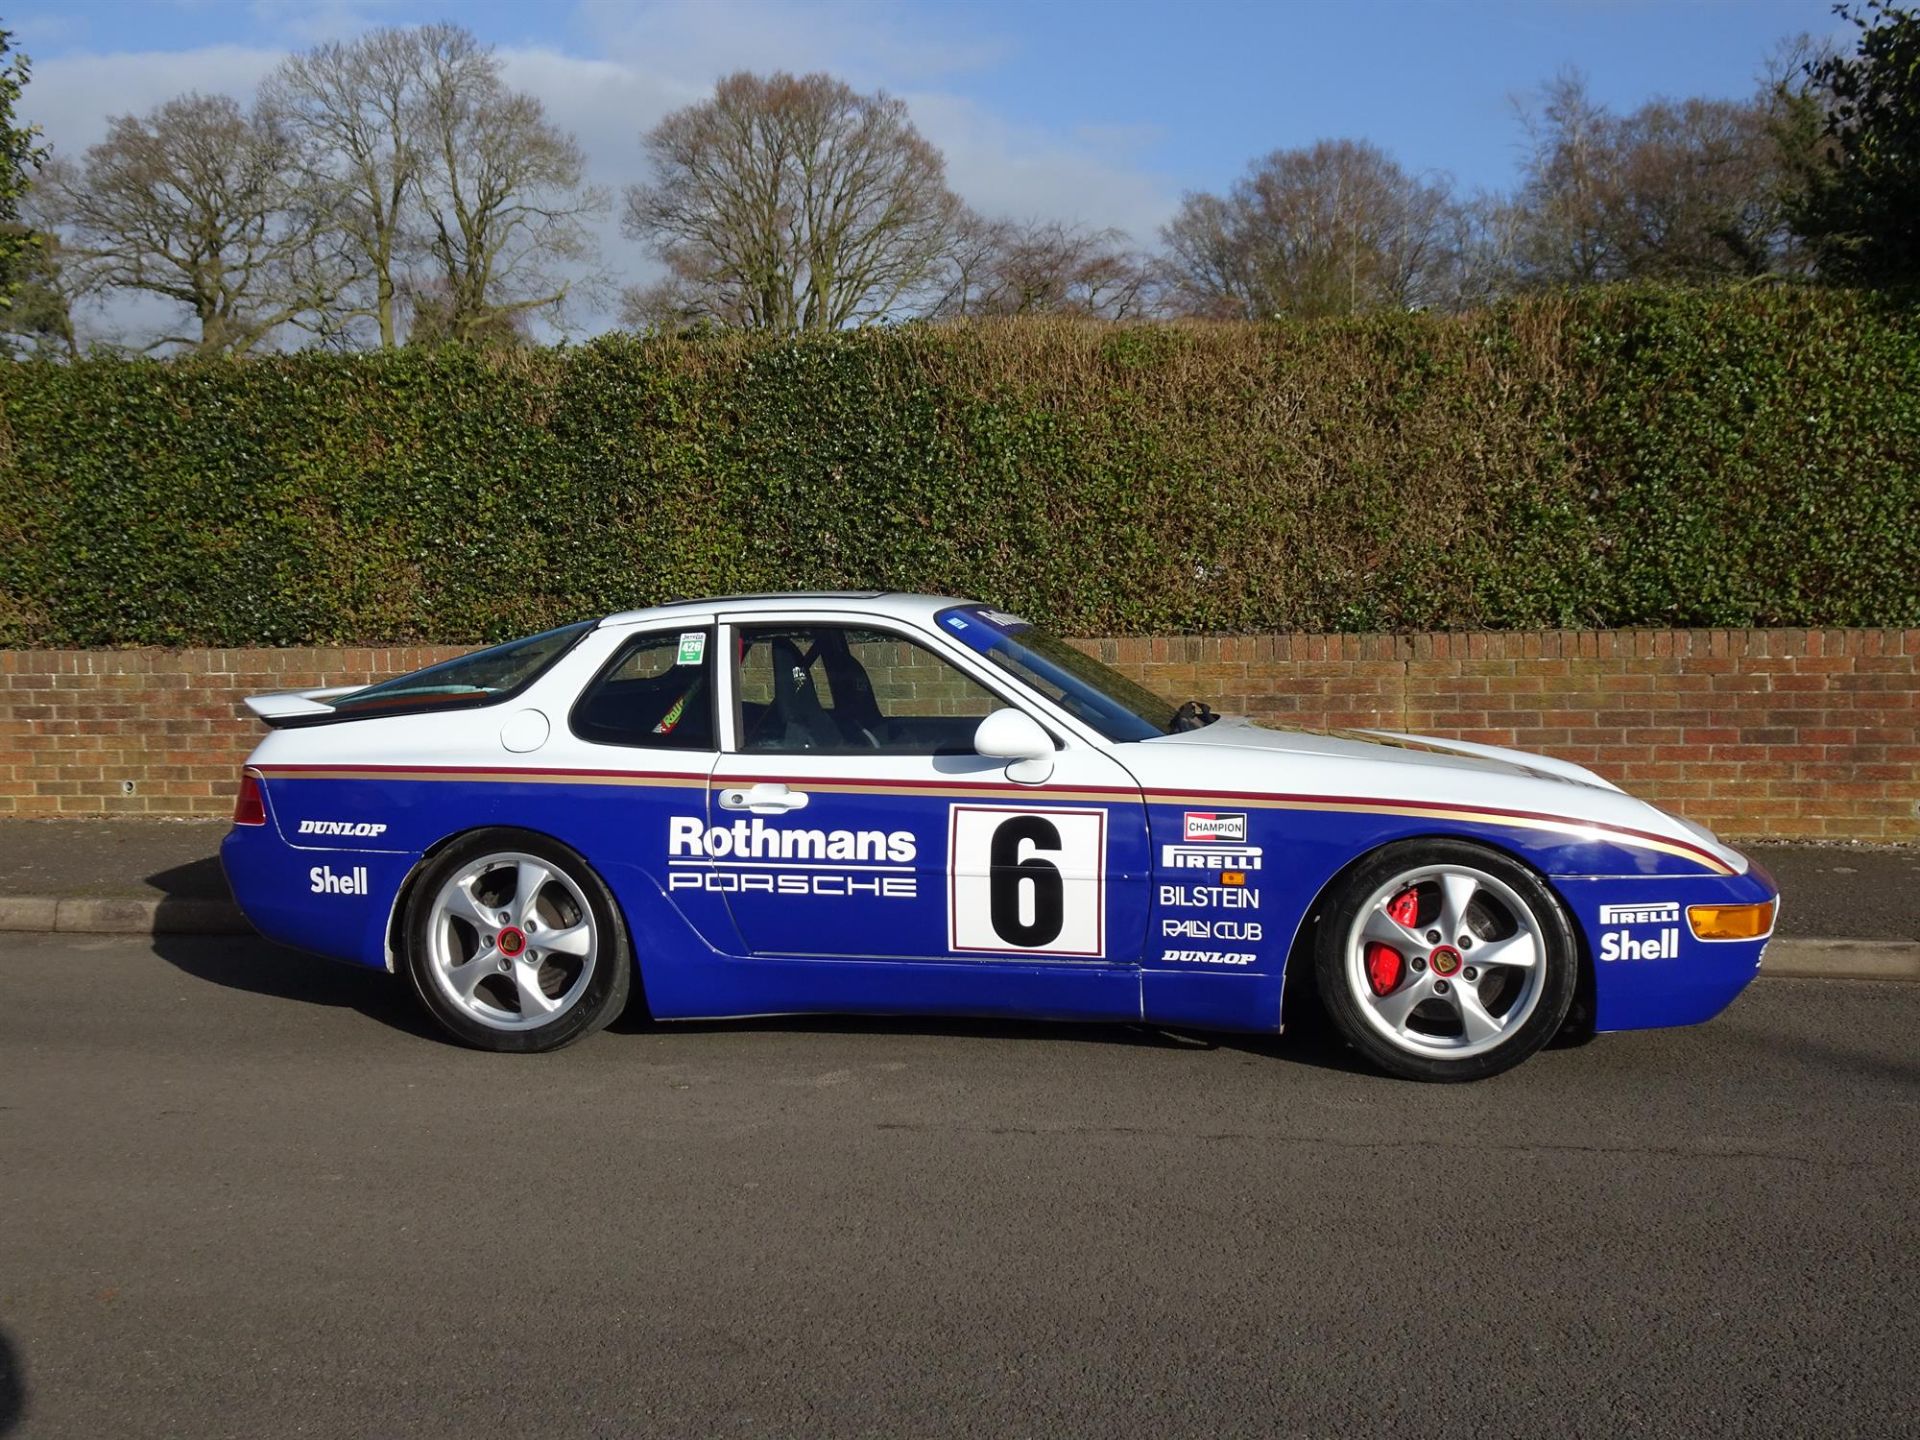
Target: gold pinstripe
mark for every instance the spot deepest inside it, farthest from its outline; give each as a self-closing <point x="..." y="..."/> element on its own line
<point x="1502" y="820"/>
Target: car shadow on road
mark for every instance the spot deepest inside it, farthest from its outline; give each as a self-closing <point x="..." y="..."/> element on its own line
<point x="194" y="898"/>
<point x="201" y="879"/>
<point x="258" y="967"/>
<point x="13" y="1387"/>
<point x="1309" y="1044"/>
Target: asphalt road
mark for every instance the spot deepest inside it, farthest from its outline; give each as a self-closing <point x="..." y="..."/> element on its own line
<point x="241" y="1193"/>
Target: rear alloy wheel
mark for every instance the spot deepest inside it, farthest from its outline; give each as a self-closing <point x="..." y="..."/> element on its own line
<point x="1441" y="960"/>
<point x="514" y="944"/>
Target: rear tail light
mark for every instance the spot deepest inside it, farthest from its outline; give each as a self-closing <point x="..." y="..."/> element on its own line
<point x="1731" y="922"/>
<point x="250" y="805"/>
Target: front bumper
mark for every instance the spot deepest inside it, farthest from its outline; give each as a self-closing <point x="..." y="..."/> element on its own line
<point x="1650" y="970"/>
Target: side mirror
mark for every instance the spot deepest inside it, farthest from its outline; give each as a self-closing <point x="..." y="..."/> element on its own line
<point x="1016" y="736"/>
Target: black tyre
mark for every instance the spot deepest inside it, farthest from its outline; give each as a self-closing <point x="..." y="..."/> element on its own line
<point x="1444" y="960"/>
<point x="514" y="944"/>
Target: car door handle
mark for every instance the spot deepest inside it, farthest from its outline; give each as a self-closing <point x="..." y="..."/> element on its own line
<point x="763" y="799"/>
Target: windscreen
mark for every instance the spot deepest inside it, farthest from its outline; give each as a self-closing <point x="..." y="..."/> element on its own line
<point x="476" y="679"/>
<point x="1081" y="685"/>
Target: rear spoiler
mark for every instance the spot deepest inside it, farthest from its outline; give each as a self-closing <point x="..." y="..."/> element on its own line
<point x="296" y="705"/>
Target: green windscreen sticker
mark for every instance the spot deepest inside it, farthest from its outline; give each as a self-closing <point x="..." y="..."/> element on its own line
<point x="693" y="647"/>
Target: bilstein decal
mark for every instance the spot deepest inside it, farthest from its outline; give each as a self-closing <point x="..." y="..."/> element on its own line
<point x="1209" y="897"/>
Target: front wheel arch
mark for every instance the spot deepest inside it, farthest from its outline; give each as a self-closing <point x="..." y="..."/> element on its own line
<point x="1297" y="987"/>
<point x="1410" y="1013"/>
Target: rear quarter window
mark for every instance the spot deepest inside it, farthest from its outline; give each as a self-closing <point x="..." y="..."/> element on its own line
<point x="656" y="693"/>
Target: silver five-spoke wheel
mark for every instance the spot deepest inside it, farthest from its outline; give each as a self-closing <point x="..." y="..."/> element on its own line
<point x="1446" y="960"/>
<point x="512" y="941"/>
<point x="1443" y="959"/>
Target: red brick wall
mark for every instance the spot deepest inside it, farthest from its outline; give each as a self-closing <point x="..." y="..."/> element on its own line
<point x="76" y="726"/>
<point x="1755" y="732"/>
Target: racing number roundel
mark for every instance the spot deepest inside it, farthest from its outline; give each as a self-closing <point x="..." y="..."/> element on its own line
<point x="1027" y="881"/>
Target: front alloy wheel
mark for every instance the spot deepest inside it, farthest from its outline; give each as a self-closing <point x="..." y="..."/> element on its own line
<point x="1441" y="960"/>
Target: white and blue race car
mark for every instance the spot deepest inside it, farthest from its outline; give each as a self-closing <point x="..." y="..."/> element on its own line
<point x="896" y="804"/>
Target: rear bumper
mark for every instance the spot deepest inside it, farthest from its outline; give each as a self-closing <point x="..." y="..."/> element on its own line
<point x="1651" y="971"/>
<point x="335" y="903"/>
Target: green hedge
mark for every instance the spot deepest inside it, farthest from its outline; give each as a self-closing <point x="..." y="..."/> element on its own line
<point x="1621" y="458"/>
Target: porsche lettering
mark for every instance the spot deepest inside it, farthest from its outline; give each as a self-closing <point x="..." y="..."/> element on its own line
<point x="794" y="883"/>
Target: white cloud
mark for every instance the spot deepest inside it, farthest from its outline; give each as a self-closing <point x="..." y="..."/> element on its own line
<point x="661" y="57"/>
<point x="866" y="42"/>
<point x="73" y="95"/>
<point x="1090" y="178"/>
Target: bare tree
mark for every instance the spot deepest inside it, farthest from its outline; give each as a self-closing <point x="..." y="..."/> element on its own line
<point x="792" y="203"/>
<point x="503" y="193"/>
<point x="1044" y="267"/>
<point x="1677" y="190"/>
<point x="1335" y="228"/>
<point x="199" y="203"/>
<point x="349" y="108"/>
<point x="457" y="196"/>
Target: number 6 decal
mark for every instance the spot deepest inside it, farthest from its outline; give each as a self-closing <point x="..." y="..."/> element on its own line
<point x="1027" y="881"/>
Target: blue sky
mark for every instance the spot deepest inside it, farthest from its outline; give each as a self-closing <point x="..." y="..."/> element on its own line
<point x="1102" y="113"/>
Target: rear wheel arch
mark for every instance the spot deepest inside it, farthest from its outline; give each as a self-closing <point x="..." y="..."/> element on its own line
<point x="545" y="994"/>
<point x="403" y="897"/>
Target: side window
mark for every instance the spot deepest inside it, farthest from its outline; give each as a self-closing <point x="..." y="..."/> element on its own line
<point x="839" y="689"/>
<point x="657" y="693"/>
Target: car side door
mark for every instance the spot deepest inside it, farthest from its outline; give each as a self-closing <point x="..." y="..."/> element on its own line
<point x="852" y="819"/>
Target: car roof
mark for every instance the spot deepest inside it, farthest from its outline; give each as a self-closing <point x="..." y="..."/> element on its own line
<point x="895" y="603"/>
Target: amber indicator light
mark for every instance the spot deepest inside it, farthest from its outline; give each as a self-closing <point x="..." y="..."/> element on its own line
<point x="1731" y="922"/>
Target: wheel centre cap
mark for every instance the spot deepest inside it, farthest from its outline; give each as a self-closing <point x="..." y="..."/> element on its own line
<point x="1444" y="960"/>
<point x="511" y="941"/>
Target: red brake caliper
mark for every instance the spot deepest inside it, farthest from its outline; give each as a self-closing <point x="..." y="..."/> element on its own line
<point x="1385" y="965"/>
